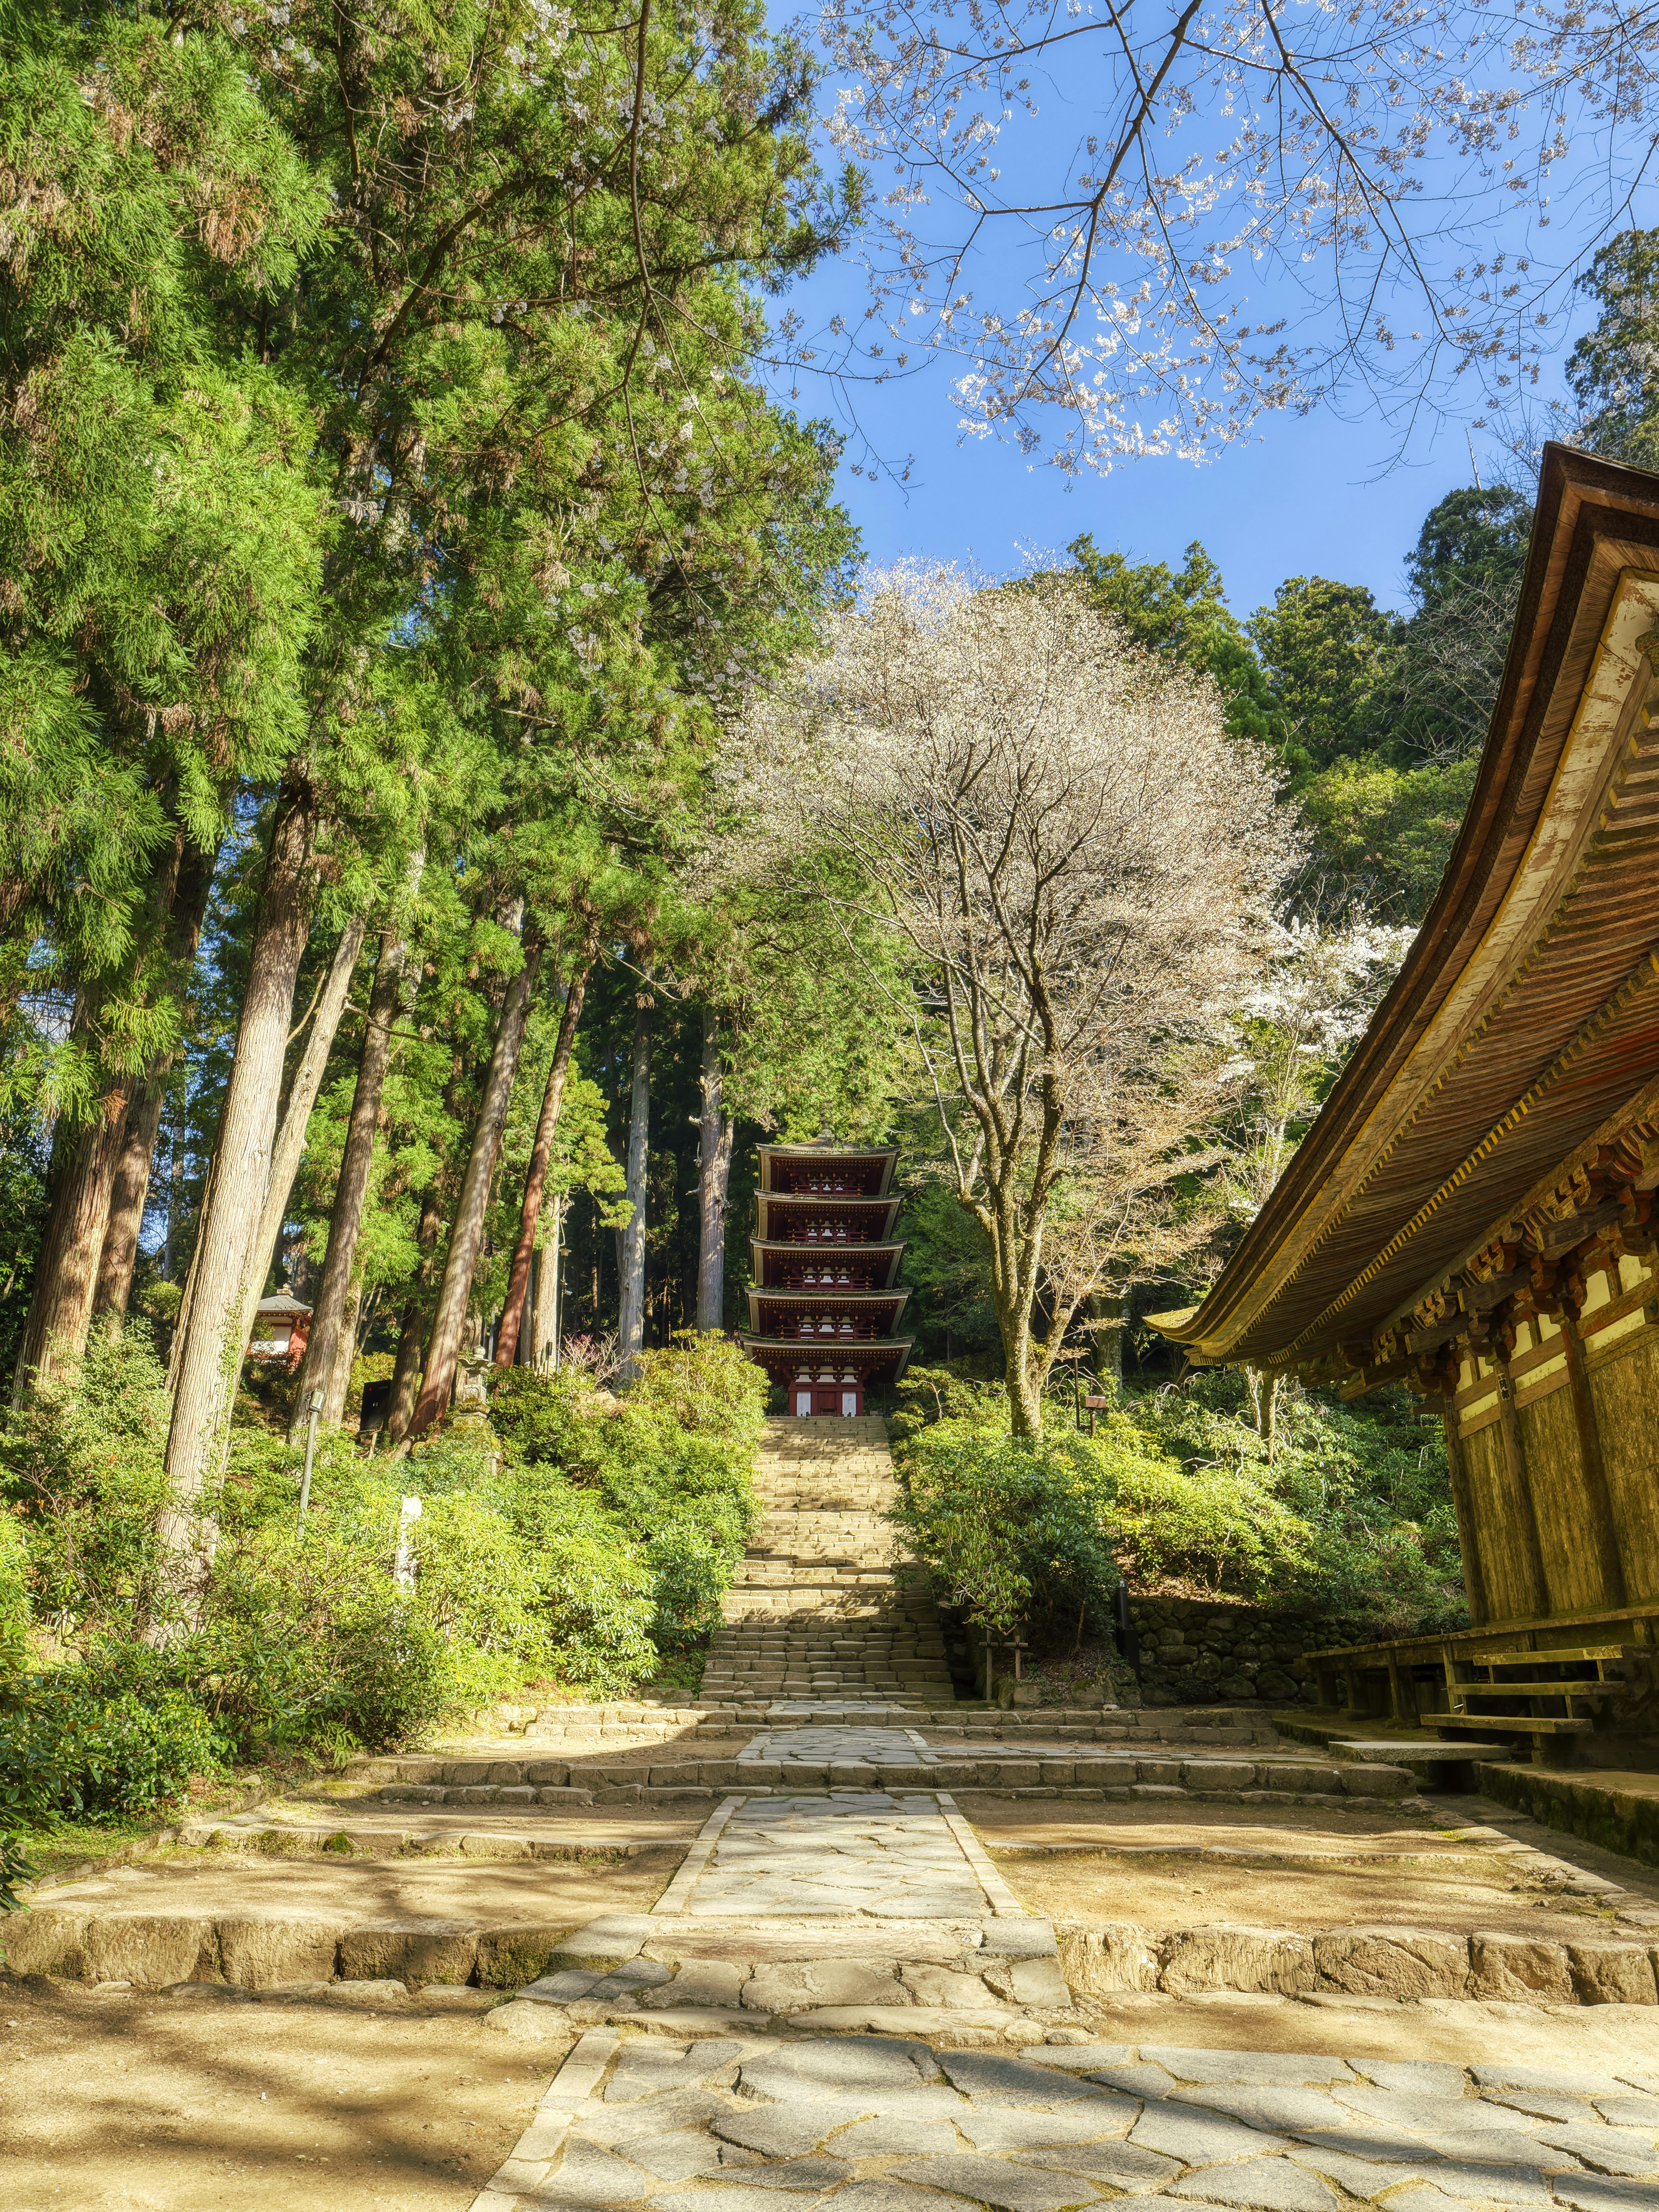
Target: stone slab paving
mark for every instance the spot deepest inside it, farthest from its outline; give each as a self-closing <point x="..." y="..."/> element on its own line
<point x="857" y="1852"/>
<point x="891" y="2125"/>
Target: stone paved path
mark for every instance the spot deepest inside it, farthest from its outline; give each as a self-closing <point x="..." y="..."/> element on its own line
<point x="866" y="1853"/>
<point x="891" y="2125"/>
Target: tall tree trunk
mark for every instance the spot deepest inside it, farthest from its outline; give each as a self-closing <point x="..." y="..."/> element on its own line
<point x="130" y="1194"/>
<point x="630" y="1331"/>
<point x="467" y="1234"/>
<point x="289" y="1147"/>
<point x="336" y="1382"/>
<point x="86" y="1161"/>
<point x="60" y="1307"/>
<point x="544" y="1316"/>
<point x="517" y="1281"/>
<point x="346" y="1221"/>
<point x="411" y="1338"/>
<point x="225" y="1239"/>
<point x="1109" y="1311"/>
<point x="713" y="1174"/>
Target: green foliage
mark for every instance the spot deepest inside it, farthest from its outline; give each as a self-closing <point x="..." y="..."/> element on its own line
<point x="593" y="1539"/>
<point x="1613" y="369"/>
<point x="71" y="1749"/>
<point x="1323" y="645"/>
<point x="667" y="1471"/>
<point x="16" y="1866"/>
<point x="1385" y="834"/>
<point x="1350" y="1520"/>
<point x="15" y="1609"/>
<point x="1011" y="1529"/>
<point x="1182" y="615"/>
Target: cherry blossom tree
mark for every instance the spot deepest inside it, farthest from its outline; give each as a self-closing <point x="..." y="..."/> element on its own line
<point x="1137" y="228"/>
<point x="1072" y="853"/>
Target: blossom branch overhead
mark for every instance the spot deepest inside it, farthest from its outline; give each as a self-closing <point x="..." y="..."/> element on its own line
<point x="1137" y="228"/>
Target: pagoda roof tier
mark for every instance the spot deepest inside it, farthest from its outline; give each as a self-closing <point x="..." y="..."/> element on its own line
<point x="776" y="1265"/>
<point x="875" y="1312"/>
<point x="784" y="1219"/>
<point x="825" y="1168"/>
<point x="783" y="1358"/>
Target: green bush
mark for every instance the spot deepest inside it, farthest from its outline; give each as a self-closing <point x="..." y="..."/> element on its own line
<point x="69" y="1749"/>
<point x="571" y="1539"/>
<point x="1013" y="1531"/>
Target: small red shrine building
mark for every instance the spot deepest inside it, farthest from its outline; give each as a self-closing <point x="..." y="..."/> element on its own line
<point x="824" y="1310"/>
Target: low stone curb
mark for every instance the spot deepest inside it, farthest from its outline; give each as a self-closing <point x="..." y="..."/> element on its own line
<point x="1385" y="1961"/>
<point x="557" y="1782"/>
<point x="290" y="1839"/>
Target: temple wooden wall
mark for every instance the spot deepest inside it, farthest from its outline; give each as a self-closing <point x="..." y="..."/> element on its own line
<point x="1557" y="1451"/>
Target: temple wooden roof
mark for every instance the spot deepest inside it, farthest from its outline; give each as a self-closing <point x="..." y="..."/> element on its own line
<point x="885" y="1357"/>
<point x="1507" y="1089"/>
<point x="770" y="1264"/>
<point x="868" y="1220"/>
<point x="865" y="1170"/>
<point x="767" y="1306"/>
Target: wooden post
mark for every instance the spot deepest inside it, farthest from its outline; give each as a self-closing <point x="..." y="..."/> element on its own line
<point x="1474" y="1580"/>
<point x="1514" y="1456"/>
<point x="1603" y="1531"/>
<point x="1402" y="1692"/>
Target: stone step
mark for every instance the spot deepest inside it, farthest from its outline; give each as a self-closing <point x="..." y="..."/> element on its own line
<point x="557" y="1785"/>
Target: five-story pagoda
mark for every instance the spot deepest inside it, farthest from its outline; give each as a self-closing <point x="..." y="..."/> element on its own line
<point x="823" y="1307"/>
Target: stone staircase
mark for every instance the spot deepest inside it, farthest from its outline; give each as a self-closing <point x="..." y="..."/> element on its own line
<point x="824" y="1607"/>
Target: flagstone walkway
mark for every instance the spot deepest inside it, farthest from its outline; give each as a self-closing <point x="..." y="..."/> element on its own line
<point x="891" y="2124"/>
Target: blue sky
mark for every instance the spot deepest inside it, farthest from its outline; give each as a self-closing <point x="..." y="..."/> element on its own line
<point x="1315" y="496"/>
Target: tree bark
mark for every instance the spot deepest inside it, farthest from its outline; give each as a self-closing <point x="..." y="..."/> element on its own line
<point x="337" y="1379"/>
<point x="130" y="1195"/>
<point x="467" y="1234"/>
<point x="60" y="1308"/>
<point x="411" y="1338"/>
<point x="346" y="1220"/>
<point x="631" y="1320"/>
<point x="714" y="1175"/>
<point x="544" y="1316"/>
<point x="1108" y="1336"/>
<point x="517" y="1281"/>
<point x="225" y="1240"/>
<point x="289" y="1147"/>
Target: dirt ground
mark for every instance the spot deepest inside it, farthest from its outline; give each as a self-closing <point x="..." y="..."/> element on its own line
<point x="1301" y="1868"/>
<point x="209" y="1882"/>
<point x="134" y="2100"/>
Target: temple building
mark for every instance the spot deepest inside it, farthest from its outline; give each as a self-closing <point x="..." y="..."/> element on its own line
<point x="1472" y="1214"/>
<point x="824" y="1310"/>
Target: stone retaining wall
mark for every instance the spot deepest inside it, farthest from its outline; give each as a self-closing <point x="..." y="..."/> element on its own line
<point x="1200" y="1650"/>
<point x="1390" y="1961"/>
<point x="293" y="1951"/>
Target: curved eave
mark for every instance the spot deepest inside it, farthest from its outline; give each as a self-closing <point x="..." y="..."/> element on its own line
<point x="884" y="1158"/>
<point x="871" y="1256"/>
<point x="770" y="1350"/>
<point x="763" y="1300"/>
<point x="878" y="1215"/>
<point x="1526" y="1010"/>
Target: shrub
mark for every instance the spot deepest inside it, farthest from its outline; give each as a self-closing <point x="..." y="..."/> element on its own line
<point x="81" y="1462"/>
<point x="305" y="1638"/>
<point x="599" y="1615"/>
<point x="1012" y="1530"/>
<point x="69" y="1749"/>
